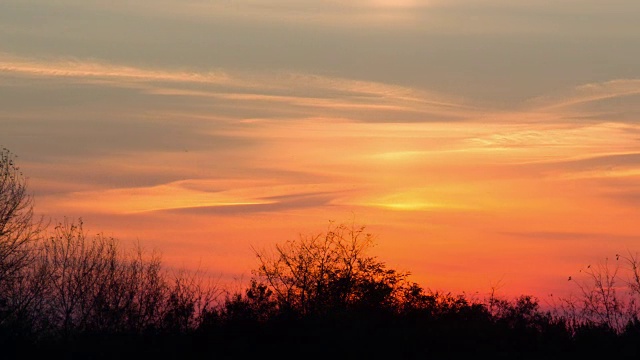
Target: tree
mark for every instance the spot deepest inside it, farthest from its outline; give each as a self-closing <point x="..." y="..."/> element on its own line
<point x="18" y="230"/>
<point x="330" y="272"/>
<point x="608" y="298"/>
<point x="91" y="284"/>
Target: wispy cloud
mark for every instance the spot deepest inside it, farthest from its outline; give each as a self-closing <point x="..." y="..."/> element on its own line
<point x="547" y="236"/>
<point x="590" y="92"/>
<point x="91" y="71"/>
<point x="306" y="95"/>
<point x="202" y="196"/>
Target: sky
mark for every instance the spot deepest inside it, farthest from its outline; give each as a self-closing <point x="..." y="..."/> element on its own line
<point x="488" y="145"/>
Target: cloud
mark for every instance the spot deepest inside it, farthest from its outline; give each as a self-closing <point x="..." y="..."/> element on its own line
<point x="294" y="94"/>
<point x="450" y="15"/>
<point x="201" y="196"/>
<point x="627" y="197"/>
<point x="611" y="100"/>
<point x="271" y="204"/>
<point x="92" y="71"/>
<point x="605" y="161"/>
<point x="569" y="236"/>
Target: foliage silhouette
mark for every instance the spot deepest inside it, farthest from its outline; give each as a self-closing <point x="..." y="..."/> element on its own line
<point x="329" y="272"/>
<point x="18" y="229"/>
<point x="65" y="294"/>
<point x="80" y="290"/>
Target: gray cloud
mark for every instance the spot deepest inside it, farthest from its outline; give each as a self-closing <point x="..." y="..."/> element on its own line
<point x="497" y="52"/>
<point x="605" y="162"/>
<point x="630" y="198"/>
<point x="569" y="236"/>
<point x="281" y="203"/>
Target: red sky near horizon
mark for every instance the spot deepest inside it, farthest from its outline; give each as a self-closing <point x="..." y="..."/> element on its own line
<point x="486" y="144"/>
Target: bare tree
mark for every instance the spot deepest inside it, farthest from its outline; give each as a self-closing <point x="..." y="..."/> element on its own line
<point x="91" y="284"/>
<point x="608" y="295"/>
<point x="18" y="230"/>
<point x="329" y="271"/>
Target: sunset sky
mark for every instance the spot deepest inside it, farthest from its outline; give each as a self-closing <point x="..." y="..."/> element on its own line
<point x="485" y="143"/>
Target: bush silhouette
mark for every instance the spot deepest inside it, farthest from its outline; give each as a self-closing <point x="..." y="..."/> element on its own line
<point x="66" y="294"/>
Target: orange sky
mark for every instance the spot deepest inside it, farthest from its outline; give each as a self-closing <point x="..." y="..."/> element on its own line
<point x="474" y="172"/>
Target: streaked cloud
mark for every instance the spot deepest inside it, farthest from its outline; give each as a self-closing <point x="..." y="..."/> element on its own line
<point x="197" y="195"/>
<point x="589" y="93"/>
<point x="323" y="93"/>
<point x="95" y="71"/>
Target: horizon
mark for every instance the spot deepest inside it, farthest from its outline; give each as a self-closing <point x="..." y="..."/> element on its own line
<point x="485" y="144"/>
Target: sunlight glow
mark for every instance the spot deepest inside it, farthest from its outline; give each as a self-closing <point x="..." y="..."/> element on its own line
<point x="397" y="3"/>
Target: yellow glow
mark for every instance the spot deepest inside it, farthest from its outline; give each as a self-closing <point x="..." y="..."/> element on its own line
<point x="399" y="155"/>
<point x="408" y="206"/>
<point x="396" y="3"/>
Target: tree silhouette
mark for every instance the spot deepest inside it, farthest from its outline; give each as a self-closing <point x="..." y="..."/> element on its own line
<point x="91" y="284"/>
<point x="329" y="272"/>
<point x="18" y="231"/>
<point x="608" y="296"/>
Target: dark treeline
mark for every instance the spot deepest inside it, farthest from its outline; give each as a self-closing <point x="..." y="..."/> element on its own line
<point x="64" y="293"/>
